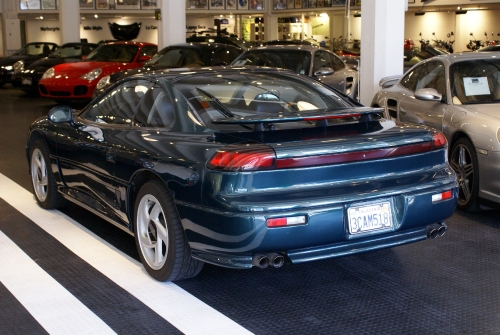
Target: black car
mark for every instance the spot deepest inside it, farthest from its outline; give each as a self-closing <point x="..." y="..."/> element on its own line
<point x="184" y="55"/>
<point x="495" y="47"/>
<point x="28" y="54"/>
<point x="232" y="40"/>
<point x="28" y="77"/>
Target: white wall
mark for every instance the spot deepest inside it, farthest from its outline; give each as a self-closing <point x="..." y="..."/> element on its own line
<point x="35" y="34"/>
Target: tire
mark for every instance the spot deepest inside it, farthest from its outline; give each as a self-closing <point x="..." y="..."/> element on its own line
<point x="42" y="178"/>
<point x="156" y="220"/>
<point x="463" y="160"/>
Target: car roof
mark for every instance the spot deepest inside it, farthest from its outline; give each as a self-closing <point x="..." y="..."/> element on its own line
<point x="458" y="57"/>
<point x="129" y="43"/>
<point x="182" y="72"/>
<point x="287" y="47"/>
<point x="199" y="45"/>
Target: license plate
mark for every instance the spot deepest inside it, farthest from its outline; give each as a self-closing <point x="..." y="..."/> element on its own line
<point x="26" y="81"/>
<point x="368" y="218"/>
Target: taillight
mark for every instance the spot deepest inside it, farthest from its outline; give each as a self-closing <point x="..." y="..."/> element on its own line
<point x="243" y="157"/>
<point x="442" y="196"/>
<point x="438" y="140"/>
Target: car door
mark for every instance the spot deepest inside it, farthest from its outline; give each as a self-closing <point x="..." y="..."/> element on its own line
<point x="87" y="152"/>
<point x="410" y="109"/>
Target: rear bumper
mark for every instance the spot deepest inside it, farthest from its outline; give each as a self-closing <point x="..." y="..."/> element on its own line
<point x="325" y="235"/>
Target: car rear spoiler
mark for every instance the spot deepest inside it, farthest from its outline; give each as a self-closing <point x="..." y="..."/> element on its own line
<point x="365" y="114"/>
<point x="389" y="81"/>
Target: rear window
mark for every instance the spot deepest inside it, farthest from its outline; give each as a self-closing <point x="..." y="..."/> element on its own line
<point x="298" y="61"/>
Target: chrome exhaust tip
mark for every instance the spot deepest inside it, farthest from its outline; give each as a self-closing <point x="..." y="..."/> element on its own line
<point x="260" y="260"/>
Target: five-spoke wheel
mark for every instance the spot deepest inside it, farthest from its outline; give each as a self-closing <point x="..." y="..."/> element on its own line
<point x="463" y="160"/>
<point x="159" y="235"/>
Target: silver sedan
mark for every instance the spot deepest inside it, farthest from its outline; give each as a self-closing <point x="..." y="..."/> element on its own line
<point x="458" y="94"/>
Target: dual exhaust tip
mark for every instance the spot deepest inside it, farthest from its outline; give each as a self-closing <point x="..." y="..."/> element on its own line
<point x="270" y="259"/>
<point x="436" y="229"/>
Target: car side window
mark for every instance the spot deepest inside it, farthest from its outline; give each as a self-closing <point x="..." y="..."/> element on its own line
<point x="432" y="77"/>
<point x="119" y="105"/>
<point x="224" y="56"/>
<point x="322" y="59"/>
<point x="149" y="50"/>
<point x="410" y="80"/>
<point x="155" y="110"/>
<point x="337" y="63"/>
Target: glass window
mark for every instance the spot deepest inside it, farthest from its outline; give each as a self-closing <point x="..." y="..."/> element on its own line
<point x="155" y="110"/>
<point x="249" y="94"/>
<point x="295" y="60"/>
<point x="119" y="105"/>
<point x="475" y="81"/>
<point x="149" y="50"/>
<point x="428" y="75"/>
<point x="113" y="53"/>
<point x="224" y="55"/>
<point x="326" y="59"/>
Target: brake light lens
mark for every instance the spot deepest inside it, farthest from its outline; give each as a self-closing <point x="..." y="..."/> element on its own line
<point x="438" y="140"/>
<point x="243" y="157"/>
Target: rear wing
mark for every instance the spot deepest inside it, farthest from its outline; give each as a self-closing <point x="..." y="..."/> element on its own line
<point x="320" y="116"/>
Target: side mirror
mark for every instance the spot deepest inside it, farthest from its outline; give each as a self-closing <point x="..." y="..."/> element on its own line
<point x="324" y="71"/>
<point x="428" y="94"/>
<point x="451" y="33"/>
<point x="470" y="34"/>
<point x="433" y="34"/>
<point x="61" y="114"/>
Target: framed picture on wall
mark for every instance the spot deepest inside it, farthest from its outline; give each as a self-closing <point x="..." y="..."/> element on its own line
<point x="290" y="4"/>
<point x="257" y="4"/>
<point x="196" y="4"/>
<point x="102" y="4"/>
<point x="242" y="4"/>
<point x="48" y="4"/>
<point x="298" y="3"/>
<point x="148" y="4"/>
<point x="231" y="4"/>
<point x="87" y="4"/>
<point x="127" y="4"/>
<point x="312" y="3"/>
<point x="328" y="3"/>
<point x="216" y="4"/>
<point x="279" y="4"/>
<point x="29" y="4"/>
<point x="320" y="3"/>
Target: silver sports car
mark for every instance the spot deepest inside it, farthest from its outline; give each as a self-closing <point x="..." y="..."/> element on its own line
<point x="458" y="94"/>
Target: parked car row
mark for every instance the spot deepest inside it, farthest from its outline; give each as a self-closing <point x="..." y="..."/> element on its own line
<point x="79" y="71"/>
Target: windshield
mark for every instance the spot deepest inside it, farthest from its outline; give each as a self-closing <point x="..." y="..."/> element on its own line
<point x="34" y="50"/>
<point x="176" y="58"/>
<point x="67" y="51"/>
<point x="295" y="60"/>
<point x="113" y="53"/>
<point x="476" y="81"/>
<point x="218" y="96"/>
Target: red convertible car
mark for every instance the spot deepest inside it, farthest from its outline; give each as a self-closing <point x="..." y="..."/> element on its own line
<point x="77" y="81"/>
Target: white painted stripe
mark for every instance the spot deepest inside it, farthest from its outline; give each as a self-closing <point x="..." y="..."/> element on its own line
<point x="178" y="307"/>
<point x="57" y="310"/>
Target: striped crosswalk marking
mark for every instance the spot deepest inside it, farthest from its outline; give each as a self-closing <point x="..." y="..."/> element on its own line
<point x="178" y="307"/>
<point x="57" y="310"/>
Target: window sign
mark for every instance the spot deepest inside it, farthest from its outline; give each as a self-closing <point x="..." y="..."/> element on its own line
<point x="29" y="4"/>
<point x="476" y="86"/>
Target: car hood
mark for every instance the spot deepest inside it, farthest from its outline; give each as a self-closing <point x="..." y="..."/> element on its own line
<point x="492" y="109"/>
<point x="72" y="70"/>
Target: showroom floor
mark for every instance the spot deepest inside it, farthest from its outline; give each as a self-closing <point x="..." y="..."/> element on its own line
<point x="70" y="272"/>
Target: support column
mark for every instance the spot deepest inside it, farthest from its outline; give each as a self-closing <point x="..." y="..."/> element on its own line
<point x="69" y="16"/>
<point x="172" y="26"/>
<point x="382" y="36"/>
<point x="270" y="24"/>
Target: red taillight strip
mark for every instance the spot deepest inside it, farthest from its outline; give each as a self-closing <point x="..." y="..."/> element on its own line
<point x="284" y="163"/>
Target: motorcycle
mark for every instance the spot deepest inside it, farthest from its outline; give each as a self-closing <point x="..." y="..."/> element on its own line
<point x="474" y="44"/>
